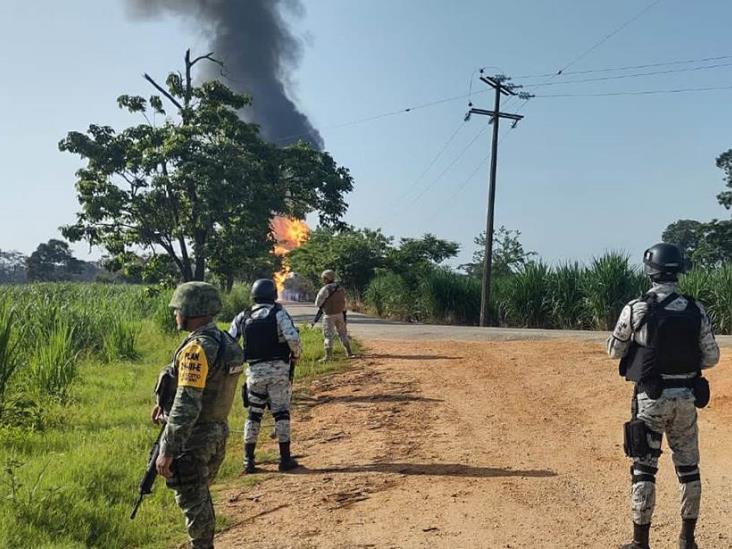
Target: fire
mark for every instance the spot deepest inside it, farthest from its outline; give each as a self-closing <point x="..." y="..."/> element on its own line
<point x="290" y="234"/>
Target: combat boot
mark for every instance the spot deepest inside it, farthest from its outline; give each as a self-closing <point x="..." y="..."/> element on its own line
<point x="349" y="352"/>
<point x="686" y="538"/>
<point x="287" y="462"/>
<point x="641" y="532"/>
<point x="249" y="462"/>
<point x="328" y="356"/>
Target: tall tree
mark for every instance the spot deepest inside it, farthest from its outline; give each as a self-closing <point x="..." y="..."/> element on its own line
<point x="53" y="261"/>
<point x="509" y="255"/>
<point x="200" y="186"/>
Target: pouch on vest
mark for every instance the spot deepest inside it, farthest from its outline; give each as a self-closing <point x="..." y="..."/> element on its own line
<point x="166" y="387"/>
<point x="702" y="393"/>
<point x="635" y="438"/>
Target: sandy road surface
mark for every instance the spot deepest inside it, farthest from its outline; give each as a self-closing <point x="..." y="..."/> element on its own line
<point x="473" y="444"/>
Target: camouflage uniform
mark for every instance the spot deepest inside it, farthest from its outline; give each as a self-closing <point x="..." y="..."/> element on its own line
<point x="332" y="299"/>
<point x="269" y="380"/>
<point x="208" y="365"/>
<point x="672" y="413"/>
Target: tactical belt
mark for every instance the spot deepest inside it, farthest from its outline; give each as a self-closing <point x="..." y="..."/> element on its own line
<point x="270" y="359"/>
<point x="679" y="383"/>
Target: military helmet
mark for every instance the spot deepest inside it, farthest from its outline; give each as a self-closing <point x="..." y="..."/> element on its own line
<point x="664" y="259"/>
<point x="328" y="275"/>
<point x="264" y="291"/>
<point x="194" y="299"/>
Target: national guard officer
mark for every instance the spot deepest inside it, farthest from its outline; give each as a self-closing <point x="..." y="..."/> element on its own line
<point x="205" y="368"/>
<point x="271" y="348"/>
<point x="664" y="341"/>
<point x="331" y="304"/>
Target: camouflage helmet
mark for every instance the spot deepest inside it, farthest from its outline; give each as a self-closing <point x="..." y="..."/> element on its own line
<point x="328" y="275"/>
<point x="194" y="299"/>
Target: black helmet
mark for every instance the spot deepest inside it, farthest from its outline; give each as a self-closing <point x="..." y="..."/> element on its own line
<point x="264" y="291"/>
<point x="664" y="261"/>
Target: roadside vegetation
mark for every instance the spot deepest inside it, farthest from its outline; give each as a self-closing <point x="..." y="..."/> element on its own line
<point x="77" y="367"/>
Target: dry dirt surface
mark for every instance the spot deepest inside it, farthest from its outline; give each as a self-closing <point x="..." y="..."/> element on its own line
<point x="473" y="444"/>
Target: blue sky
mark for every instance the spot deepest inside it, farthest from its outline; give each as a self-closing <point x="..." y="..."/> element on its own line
<point x="579" y="175"/>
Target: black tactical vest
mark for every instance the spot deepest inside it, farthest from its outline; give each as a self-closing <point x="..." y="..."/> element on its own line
<point x="261" y="339"/>
<point x="672" y="343"/>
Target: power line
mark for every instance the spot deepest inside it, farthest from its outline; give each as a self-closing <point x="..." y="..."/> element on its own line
<point x="450" y="165"/>
<point x="631" y="67"/>
<point x="640" y="92"/>
<point x="609" y="36"/>
<point x="432" y="162"/>
<point x="635" y="75"/>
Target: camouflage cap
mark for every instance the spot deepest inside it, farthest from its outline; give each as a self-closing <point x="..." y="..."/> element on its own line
<point x="196" y="299"/>
<point x="328" y="275"/>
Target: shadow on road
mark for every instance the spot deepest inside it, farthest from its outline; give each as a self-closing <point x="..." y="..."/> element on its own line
<point x="376" y="398"/>
<point x="434" y="469"/>
<point x="411" y="357"/>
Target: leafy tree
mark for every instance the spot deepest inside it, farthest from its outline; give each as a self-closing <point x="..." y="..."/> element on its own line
<point x="53" y="261"/>
<point x="202" y="186"/>
<point x="415" y="257"/>
<point x="724" y="163"/>
<point x="707" y="244"/>
<point x="353" y="254"/>
<point x="509" y="255"/>
<point x="12" y="266"/>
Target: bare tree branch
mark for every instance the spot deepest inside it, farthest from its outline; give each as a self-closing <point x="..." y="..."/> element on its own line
<point x="163" y="91"/>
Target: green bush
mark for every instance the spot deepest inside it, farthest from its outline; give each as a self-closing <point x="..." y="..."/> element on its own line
<point x="567" y="298"/>
<point x="528" y="302"/>
<point x="450" y="297"/>
<point x="53" y="365"/>
<point x="609" y="283"/>
<point x="120" y="340"/>
<point x="388" y="296"/>
<point x="237" y="300"/>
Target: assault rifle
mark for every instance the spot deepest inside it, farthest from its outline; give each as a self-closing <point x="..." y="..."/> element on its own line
<point x="319" y="314"/>
<point x="148" y="479"/>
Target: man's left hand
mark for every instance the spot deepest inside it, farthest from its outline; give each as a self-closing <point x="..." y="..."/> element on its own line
<point x="163" y="464"/>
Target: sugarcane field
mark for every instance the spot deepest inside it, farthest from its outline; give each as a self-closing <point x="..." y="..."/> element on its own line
<point x="264" y="282"/>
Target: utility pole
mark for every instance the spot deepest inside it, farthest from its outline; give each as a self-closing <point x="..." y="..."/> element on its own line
<point x="501" y="87"/>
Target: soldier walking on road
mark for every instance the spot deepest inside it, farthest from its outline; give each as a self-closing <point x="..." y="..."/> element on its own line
<point x="331" y="304"/>
<point x="271" y="347"/>
<point x="205" y="368"/>
<point x="664" y="339"/>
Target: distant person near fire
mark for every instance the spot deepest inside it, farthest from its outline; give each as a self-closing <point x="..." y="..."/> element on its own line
<point x="331" y="304"/>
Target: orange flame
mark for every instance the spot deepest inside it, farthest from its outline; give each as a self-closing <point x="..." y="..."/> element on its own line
<point x="290" y="234"/>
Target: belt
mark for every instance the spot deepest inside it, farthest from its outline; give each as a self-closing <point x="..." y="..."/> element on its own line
<point x="679" y="383"/>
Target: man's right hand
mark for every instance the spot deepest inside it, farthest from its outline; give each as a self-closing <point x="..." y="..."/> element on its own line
<point x="157" y="415"/>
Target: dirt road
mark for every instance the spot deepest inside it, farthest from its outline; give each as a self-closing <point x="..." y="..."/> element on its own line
<point x="473" y="444"/>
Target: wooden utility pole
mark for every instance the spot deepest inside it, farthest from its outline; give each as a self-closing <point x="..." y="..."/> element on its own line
<point x="497" y="83"/>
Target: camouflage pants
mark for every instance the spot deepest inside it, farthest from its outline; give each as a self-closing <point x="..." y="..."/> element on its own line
<point x="270" y="382"/>
<point x="193" y="471"/>
<point x="674" y="414"/>
<point x="333" y="325"/>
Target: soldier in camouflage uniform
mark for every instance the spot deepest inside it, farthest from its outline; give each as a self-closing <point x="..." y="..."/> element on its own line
<point x="271" y="348"/>
<point x="331" y="304"/>
<point x="665" y="340"/>
<point x="207" y="366"/>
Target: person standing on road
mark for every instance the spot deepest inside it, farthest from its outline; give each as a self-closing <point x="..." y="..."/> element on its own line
<point x="271" y="348"/>
<point x="664" y="341"/>
<point x="205" y="370"/>
<point x="331" y="304"/>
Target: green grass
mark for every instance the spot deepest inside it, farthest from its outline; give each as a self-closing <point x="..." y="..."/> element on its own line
<point x="71" y="465"/>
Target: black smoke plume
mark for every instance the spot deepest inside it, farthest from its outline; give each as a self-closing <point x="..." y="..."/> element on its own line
<point x="258" y="50"/>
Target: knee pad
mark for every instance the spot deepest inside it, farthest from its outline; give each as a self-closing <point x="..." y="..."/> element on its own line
<point x="688" y="473"/>
<point x="643" y="473"/>
<point x="255" y="417"/>
<point x="281" y="416"/>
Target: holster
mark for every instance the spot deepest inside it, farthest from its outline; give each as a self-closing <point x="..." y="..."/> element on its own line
<point x="635" y="438"/>
<point x="245" y="395"/>
<point x="702" y="393"/>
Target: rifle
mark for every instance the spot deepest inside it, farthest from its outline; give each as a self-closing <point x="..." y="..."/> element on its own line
<point x="319" y="314"/>
<point x="148" y="479"/>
